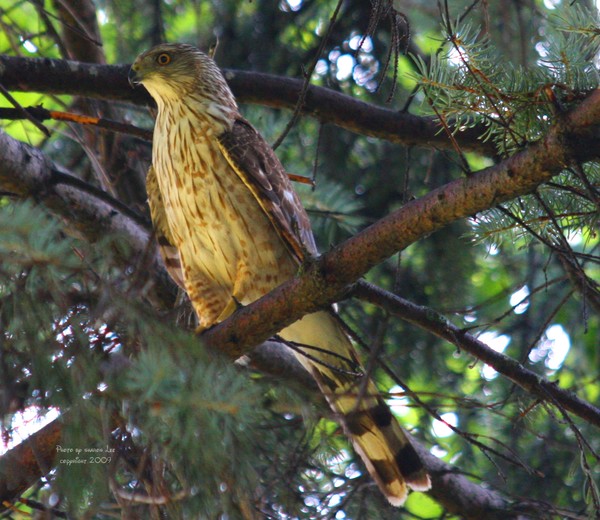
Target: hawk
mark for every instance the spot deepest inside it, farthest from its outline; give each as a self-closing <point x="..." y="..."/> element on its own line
<point x="231" y="228"/>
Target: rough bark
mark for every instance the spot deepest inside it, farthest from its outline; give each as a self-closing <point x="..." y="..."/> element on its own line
<point x="326" y="279"/>
<point x="23" y="465"/>
<point x="110" y="82"/>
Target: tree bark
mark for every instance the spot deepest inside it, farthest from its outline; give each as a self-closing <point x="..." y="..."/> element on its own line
<point x="23" y="465"/>
<point x="326" y="279"/>
<point x="110" y="82"/>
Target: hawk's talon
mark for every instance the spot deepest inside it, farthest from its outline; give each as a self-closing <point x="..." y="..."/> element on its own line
<point x="233" y="305"/>
<point x="200" y="329"/>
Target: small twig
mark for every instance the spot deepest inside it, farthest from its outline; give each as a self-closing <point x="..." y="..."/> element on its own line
<point x="301" y="347"/>
<point x="39" y="113"/>
<point x="308" y="74"/>
<point x="23" y="111"/>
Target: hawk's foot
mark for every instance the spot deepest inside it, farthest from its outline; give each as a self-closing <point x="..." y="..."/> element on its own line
<point x="233" y="305"/>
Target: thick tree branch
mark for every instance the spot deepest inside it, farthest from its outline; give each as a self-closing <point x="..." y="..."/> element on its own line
<point x="458" y="495"/>
<point x="110" y="82"/>
<point x="326" y="279"/>
<point x="24" y="464"/>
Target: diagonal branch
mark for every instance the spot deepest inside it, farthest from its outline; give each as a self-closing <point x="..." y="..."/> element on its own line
<point x="436" y="324"/>
<point x="327" y="278"/>
<point x="23" y="465"/>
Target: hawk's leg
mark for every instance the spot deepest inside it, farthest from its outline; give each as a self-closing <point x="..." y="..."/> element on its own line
<point x="214" y="303"/>
<point x="207" y="299"/>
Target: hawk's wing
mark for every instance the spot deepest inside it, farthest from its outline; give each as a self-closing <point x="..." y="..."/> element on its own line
<point x="166" y="245"/>
<point x="261" y="171"/>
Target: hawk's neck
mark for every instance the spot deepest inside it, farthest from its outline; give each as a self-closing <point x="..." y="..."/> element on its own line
<point x="207" y="116"/>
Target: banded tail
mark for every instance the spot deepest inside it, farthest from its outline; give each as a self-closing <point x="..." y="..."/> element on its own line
<point x="379" y="440"/>
<point x="383" y="446"/>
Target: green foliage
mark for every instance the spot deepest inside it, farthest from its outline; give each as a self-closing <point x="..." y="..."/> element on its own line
<point x="335" y="213"/>
<point x="559" y="211"/>
<point x="174" y="396"/>
<point x="469" y="82"/>
<point x="79" y="336"/>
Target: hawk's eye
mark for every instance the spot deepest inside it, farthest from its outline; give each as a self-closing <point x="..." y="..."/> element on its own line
<point x="163" y="59"/>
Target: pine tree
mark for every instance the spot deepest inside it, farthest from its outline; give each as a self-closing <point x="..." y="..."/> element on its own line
<point x="465" y="136"/>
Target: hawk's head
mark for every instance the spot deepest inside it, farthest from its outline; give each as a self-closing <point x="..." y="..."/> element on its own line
<point x="177" y="71"/>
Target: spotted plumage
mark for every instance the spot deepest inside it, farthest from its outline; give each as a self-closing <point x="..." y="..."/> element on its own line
<point x="231" y="228"/>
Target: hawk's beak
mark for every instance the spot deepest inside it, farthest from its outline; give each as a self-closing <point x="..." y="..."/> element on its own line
<point x="133" y="77"/>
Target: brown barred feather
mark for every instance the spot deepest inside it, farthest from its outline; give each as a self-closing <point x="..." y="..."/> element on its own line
<point x="168" y="251"/>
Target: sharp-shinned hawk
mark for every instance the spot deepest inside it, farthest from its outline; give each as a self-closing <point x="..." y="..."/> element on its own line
<point x="231" y="228"/>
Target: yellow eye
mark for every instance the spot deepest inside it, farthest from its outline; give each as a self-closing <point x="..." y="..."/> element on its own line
<point x="163" y="59"/>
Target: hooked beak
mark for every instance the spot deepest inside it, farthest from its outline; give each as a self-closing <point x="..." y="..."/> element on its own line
<point x="133" y="77"/>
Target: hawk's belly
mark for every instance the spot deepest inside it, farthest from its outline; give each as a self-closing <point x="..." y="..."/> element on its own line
<point x="228" y="246"/>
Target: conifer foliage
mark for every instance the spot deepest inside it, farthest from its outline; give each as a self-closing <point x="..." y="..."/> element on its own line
<point x="451" y="156"/>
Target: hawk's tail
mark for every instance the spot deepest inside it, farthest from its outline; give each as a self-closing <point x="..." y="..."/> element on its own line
<point x="383" y="445"/>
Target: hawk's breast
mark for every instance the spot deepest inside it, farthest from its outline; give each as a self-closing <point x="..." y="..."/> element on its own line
<point x="218" y="226"/>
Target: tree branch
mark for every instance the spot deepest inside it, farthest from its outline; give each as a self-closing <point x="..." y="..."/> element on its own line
<point x="326" y="279"/>
<point x="460" y="496"/>
<point x="110" y="82"/>
<point x="23" y="465"/>
<point x="432" y="322"/>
